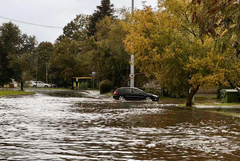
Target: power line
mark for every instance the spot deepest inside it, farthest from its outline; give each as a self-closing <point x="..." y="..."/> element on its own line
<point x="28" y="23"/>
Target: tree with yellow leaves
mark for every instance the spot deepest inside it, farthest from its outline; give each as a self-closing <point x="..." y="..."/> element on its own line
<point x="168" y="45"/>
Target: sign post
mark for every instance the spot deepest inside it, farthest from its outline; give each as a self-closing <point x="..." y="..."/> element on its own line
<point x="93" y="75"/>
<point x="132" y="58"/>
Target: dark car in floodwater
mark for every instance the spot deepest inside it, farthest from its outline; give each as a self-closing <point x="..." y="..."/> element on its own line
<point x="132" y="93"/>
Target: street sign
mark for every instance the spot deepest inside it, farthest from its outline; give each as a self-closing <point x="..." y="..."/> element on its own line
<point x="131" y="76"/>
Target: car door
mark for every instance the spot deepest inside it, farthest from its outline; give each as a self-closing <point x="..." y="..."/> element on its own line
<point x="137" y="94"/>
<point x="127" y="93"/>
<point x="40" y="84"/>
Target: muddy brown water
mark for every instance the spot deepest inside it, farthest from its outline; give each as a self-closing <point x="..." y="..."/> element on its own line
<point x="77" y="126"/>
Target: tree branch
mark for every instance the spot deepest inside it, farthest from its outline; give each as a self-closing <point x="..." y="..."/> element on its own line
<point x="192" y="32"/>
<point x="185" y="14"/>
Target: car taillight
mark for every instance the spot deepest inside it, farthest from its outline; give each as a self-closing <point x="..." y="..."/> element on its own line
<point x="115" y="93"/>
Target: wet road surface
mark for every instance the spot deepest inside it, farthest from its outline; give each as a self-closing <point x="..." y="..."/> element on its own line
<point x="77" y="126"/>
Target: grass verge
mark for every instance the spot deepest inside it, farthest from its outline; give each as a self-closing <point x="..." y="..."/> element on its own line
<point x="14" y="93"/>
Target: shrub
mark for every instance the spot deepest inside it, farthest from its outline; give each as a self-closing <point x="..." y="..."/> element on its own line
<point x="105" y="86"/>
<point x="87" y="85"/>
<point x="82" y="85"/>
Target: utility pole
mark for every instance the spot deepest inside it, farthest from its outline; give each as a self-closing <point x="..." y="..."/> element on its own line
<point x="132" y="75"/>
<point x="36" y="71"/>
<point x="46" y="73"/>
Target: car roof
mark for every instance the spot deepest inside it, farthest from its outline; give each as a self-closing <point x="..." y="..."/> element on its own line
<point x="128" y="88"/>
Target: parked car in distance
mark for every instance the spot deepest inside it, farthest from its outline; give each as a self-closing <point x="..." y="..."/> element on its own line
<point x="39" y="84"/>
<point x="132" y="93"/>
<point x="53" y="85"/>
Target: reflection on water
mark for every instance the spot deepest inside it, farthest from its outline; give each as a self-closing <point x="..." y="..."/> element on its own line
<point x="43" y="127"/>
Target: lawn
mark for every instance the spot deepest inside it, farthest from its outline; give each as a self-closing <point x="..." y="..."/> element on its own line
<point x="13" y="93"/>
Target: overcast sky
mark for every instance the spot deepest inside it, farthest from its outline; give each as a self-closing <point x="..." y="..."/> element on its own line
<point x="55" y="13"/>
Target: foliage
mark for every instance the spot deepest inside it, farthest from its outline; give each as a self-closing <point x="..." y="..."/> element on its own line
<point x="219" y="18"/>
<point x="16" y="54"/>
<point x="10" y="41"/>
<point x="69" y="57"/>
<point x="84" y="85"/>
<point x="105" y="9"/>
<point x="21" y="61"/>
<point x="167" y="45"/>
<point x="76" y="29"/>
<point x="63" y="63"/>
<point x="103" y="53"/>
<point x="42" y="56"/>
<point x="105" y="86"/>
<point x="109" y="56"/>
<point x="216" y="17"/>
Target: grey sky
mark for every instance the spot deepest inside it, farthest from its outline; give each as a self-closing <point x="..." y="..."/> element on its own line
<point x="52" y="13"/>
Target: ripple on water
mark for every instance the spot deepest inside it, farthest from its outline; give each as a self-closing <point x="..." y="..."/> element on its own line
<point x="43" y="127"/>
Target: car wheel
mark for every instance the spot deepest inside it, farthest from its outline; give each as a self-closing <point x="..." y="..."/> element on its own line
<point x="34" y="86"/>
<point x="121" y="98"/>
<point x="148" y="99"/>
<point x="46" y="86"/>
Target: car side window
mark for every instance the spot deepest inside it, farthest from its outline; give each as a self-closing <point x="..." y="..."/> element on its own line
<point x="127" y="90"/>
<point x="135" y="91"/>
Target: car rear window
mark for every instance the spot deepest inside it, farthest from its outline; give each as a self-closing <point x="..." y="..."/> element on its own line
<point x="117" y="90"/>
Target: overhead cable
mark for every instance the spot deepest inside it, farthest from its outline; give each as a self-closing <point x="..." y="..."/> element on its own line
<point x="28" y="23"/>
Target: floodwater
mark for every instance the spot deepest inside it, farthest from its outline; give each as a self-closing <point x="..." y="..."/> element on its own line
<point x="78" y="126"/>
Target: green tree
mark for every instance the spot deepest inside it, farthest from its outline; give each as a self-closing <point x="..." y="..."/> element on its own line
<point x="109" y="57"/>
<point x="105" y="9"/>
<point x="76" y="29"/>
<point x="21" y="62"/>
<point x="75" y="38"/>
<point x="10" y="42"/>
<point x="63" y="62"/>
<point x="167" y="45"/>
<point x="42" y="54"/>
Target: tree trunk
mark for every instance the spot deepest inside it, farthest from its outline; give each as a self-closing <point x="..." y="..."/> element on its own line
<point x="21" y="86"/>
<point x="191" y="95"/>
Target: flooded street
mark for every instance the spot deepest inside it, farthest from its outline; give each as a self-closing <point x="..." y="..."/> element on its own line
<point x="77" y="126"/>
